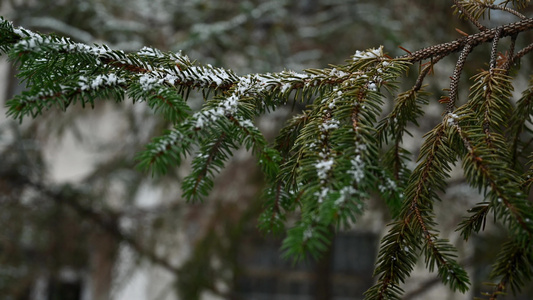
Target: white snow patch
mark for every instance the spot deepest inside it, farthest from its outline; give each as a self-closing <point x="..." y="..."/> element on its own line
<point x="323" y="167"/>
<point x="370" y="53"/>
<point x="329" y="124"/>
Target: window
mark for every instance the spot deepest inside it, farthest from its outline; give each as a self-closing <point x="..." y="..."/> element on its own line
<point x="343" y="273"/>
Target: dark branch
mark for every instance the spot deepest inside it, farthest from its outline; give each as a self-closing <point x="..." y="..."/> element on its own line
<point x="103" y="221"/>
<point x="454" y="84"/>
<point x="494" y="51"/>
<point x="473" y="40"/>
<point x="505" y="8"/>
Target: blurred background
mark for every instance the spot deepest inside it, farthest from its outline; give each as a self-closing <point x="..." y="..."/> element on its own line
<point x="78" y="221"/>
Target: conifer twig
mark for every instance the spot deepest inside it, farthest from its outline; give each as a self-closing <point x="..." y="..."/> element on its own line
<point x="494" y="51"/>
<point x="454" y="83"/>
<point x="510" y="54"/>
<point x="488" y="94"/>
<point x="523" y="52"/>
<point x="486" y="171"/>
<point x="474" y="40"/>
<point x="425" y="71"/>
<point x="469" y="16"/>
<point x="504" y="8"/>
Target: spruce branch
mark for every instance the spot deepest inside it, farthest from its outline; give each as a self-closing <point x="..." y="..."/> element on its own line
<point x="198" y="183"/>
<point x="514" y="267"/>
<point x="489" y="97"/>
<point x="338" y="140"/>
<point x="330" y="159"/>
<point x="476" y="221"/>
<point x="473" y="40"/>
<point x="408" y="109"/>
<point x="276" y="203"/>
<point x="482" y="170"/>
<point x="474" y="10"/>
<point x="473" y="19"/>
<point x="518" y="124"/>
<point x="415" y="224"/>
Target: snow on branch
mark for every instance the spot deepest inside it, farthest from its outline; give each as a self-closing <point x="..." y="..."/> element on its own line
<point x="335" y="155"/>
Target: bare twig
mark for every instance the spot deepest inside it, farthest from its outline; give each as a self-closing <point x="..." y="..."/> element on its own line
<point x="505" y="8"/>
<point x="523" y="52"/>
<point x="454" y="84"/>
<point x="494" y="51"/>
<point x="425" y="71"/>
<point x="474" y="40"/>
<point x="509" y="59"/>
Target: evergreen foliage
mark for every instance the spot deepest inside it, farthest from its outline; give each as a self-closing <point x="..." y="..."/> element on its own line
<point x="343" y="149"/>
